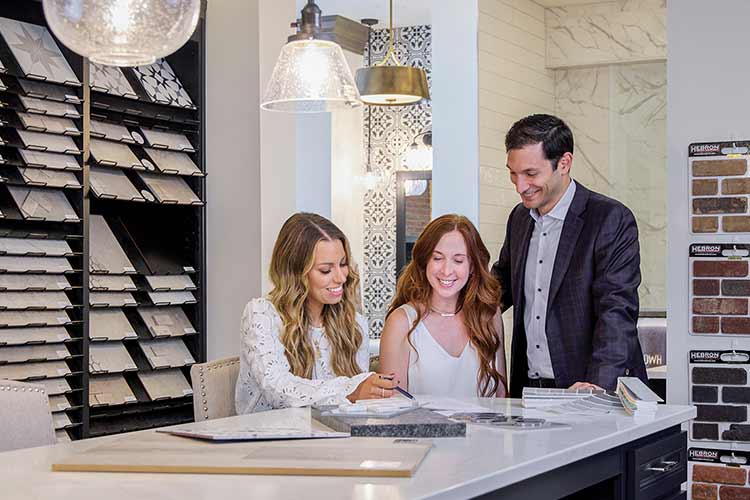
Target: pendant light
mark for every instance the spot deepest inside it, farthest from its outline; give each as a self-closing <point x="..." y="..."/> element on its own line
<point x="123" y="32"/>
<point x="311" y="74"/>
<point x="419" y="154"/>
<point x="392" y="85"/>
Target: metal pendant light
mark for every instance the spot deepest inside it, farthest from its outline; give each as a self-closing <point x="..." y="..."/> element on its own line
<point x="311" y="74"/>
<point x="394" y="85"/>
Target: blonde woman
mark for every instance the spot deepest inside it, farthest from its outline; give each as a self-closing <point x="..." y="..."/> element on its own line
<point x="305" y="343"/>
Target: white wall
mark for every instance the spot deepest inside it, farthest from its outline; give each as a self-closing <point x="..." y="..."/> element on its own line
<point x="513" y="83"/>
<point x="706" y="101"/>
<point x="233" y="183"/>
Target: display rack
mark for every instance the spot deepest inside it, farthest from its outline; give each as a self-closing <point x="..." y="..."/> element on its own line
<point x="102" y="229"/>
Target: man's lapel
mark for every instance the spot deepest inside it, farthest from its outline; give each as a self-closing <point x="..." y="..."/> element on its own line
<point x="521" y="254"/>
<point x="568" y="238"/>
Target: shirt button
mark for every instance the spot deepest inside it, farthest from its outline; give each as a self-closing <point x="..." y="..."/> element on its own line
<point x="541" y="261"/>
<point x="537" y="346"/>
<point x="544" y="234"/>
<point x="538" y="289"/>
<point x="536" y="373"/>
<point x="537" y="317"/>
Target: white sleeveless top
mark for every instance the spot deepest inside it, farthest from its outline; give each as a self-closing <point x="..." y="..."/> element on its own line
<point x="435" y="372"/>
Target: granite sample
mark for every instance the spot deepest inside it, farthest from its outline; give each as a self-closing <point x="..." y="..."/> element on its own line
<point x="420" y="423"/>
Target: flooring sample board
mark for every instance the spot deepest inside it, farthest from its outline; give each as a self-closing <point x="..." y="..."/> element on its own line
<point x="48" y="124"/>
<point x="109" y="357"/>
<point x="42" y="90"/>
<point x="50" y="108"/>
<point x="114" y="154"/>
<point x="167" y="140"/>
<point x="59" y="403"/>
<point x="26" y="371"/>
<point x="171" y="298"/>
<point x="111" y="283"/>
<point x="45" y="352"/>
<point x="110" y="183"/>
<point x="170" y="283"/>
<point x="55" y="386"/>
<point x="33" y="335"/>
<point x="165" y="384"/>
<point x="50" y="265"/>
<point x="364" y="457"/>
<point x="109" y="324"/>
<point x="105" y="390"/>
<point x="166" y="321"/>
<point x="111" y="299"/>
<point x="44" y="204"/>
<point x="49" y="178"/>
<point x="166" y="353"/>
<point x="36" y="52"/>
<point x="34" y="300"/>
<point x="61" y="421"/>
<point x="52" y="161"/>
<point x="33" y="282"/>
<point x="31" y="246"/>
<point x="62" y="436"/>
<point x="107" y="256"/>
<point x="170" y="189"/>
<point x="162" y="85"/>
<point x="33" y="318"/>
<point x="111" y="80"/>
<point x="110" y="131"/>
<point x="51" y="143"/>
<point x="171" y="162"/>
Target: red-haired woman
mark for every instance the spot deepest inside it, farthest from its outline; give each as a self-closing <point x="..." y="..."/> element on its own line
<point x="443" y="334"/>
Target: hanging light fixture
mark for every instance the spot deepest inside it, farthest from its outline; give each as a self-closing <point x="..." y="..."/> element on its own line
<point x="392" y="85"/>
<point x="123" y="32"/>
<point x="419" y="154"/>
<point x="311" y="74"/>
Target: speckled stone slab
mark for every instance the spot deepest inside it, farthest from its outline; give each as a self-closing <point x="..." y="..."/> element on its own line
<point x="420" y="423"/>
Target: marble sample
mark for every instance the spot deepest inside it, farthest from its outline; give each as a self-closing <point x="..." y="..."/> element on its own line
<point x="36" y="52"/>
<point x="51" y="143"/>
<point x="107" y="256"/>
<point x="24" y="264"/>
<point x="44" y="204"/>
<point x="108" y="390"/>
<point x="52" y="161"/>
<point x="166" y="321"/>
<point x="33" y="335"/>
<point x="110" y="324"/>
<point x="171" y="162"/>
<point x="33" y="318"/>
<point x="39" y="282"/>
<point x="49" y="178"/>
<point x="166" y="353"/>
<point x="111" y="183"/>
<point x="170" y="189"/>
<point x="50" y="108"/>
<point x="114" y="154"/>
<point x="109" y="357"/>
<point x="34" y="300"/>
<point x="111" y="80"/>
<point x="606" y="33"/>
<point x="29" y="246"/>
<point x="162" y="85"/>
<point x="165" y="384"/>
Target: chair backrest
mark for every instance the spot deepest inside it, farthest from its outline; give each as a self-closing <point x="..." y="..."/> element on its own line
<point x="213" y="388"/>
<point x="25" y="417"/>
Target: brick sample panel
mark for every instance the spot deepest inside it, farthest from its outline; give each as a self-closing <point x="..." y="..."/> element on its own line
<point x="719" y="187"/>
<point x="719" y="289"/>
<point x="720" y="391"/>
<point x="716" y="474"/>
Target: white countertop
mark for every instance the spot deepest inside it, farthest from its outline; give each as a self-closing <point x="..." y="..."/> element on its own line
<point x="485" y="460"/>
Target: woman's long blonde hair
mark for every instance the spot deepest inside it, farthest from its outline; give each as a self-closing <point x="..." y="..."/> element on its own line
<point x="293" y="258"/>
<point x="479" y="300"/>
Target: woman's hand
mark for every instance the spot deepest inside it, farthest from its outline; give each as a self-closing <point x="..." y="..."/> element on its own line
<point x="377" y="385"/>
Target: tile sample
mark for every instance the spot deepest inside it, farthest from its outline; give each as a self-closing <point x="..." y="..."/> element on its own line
<point x="48" y="124"/>
<point x="111" y="283"/>
<point x="33" y="335"/>
<point x="171" y="298"/>
<point x="111" y="299"/>
<point x="46" y="352"/>
<point x="31" y="246"/>
<point x="170" y="283"/>
<point x="59" y="403"/>
<point x="25" y="371"/>
<point x="52" y="161"/>
<point x="170" y="189"/>
<point x="166" y="353"/>
<point x="61" y="420"/>
<point x="33" y="318"/>
<point x="110" y="390"/>
<point x="166" y="321"/>
<point x="162" y="85"/>
<point x="171" y="162"/>
<point x="36" y="51"/>
<point x="110" y="131"/>
<point x="165" y="384"/>
<point x="40" y="141"/>
<point x="109" y="357"/>
<point x="167" y="140"/>
<point x="107" y="256"/>
<point x="50" y="108"/>
<point x="110" y="183"/>
<point x="62" y="436"/>
<point x="114" y="154"/>
<point x="33" y="282"/>
<point x="111" y="80"/>
<point x="34" y="300"/>
<point x="49" y="265"/>
<point x="711" y="469"/>
<point x="44" y="204"/>
<point x="42" y="90"/>
<point x="109" y="324"/>
<point x="49" y="178"/>
<point x="55" y="386"/>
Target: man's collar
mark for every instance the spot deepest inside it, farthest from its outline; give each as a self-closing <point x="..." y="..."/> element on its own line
<point x="560" y="209"/>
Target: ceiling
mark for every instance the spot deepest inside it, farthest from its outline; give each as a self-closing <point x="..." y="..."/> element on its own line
<point x="405" y="12"/>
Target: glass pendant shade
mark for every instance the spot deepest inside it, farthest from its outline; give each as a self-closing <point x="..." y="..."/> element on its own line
<point x="310" y="76"/>
<point x="123" y="32"/>
<point x="418" y="157"/>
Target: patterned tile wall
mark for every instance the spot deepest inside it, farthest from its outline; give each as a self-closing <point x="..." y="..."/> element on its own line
<point x="390" y="131"/>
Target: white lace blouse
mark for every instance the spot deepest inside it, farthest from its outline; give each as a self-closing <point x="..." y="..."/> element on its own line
<point x="266" y="382"/>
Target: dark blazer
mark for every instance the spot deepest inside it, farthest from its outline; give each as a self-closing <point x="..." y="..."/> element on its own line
<point x="593" y="297"/>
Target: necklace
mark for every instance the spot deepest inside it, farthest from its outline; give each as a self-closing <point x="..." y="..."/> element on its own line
<point x="444" y="314"/>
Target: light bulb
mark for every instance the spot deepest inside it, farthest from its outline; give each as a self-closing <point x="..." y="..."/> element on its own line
<point x="123" y="32"/>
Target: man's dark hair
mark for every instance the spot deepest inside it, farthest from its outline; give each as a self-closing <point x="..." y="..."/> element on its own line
<point x="552" y="132"/>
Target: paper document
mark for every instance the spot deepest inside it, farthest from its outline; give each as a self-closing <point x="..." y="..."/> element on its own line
<point x="448" y="404"/>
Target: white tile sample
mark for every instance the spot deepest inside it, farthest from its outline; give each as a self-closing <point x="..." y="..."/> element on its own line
<point x="170" y="283"/>
<point x="111" y="299"/>
<point x="50" y="265"/>
<point x="171" y="298"/>
<point x="44" y="352"/>
<point x="107" y="256"/>
<point x="34" y="300"/>
<point x="166" y="321"/>
<point x="111" y="283"/>
<point x="162" y="85"/>
<point x="21" y="282"/>
<point x="172" y="162"/>
<point x="111" y="80"/>
<point x="110" y="131"/>
<point x="167" y="140"/>
<point x="49" y="369"/>
<point x="35" y="335"/>
<point x="111" y="183"/>
<point x="110" y="324"/>
<point x="36" y="318"/>
<point x="27" y="246"/>
<point x="48" y="124"/>
<point x="114" y="154"/>
<point x="47" y="204"/>
<point x="170" y="189"/>
<point x="109" y="357"/>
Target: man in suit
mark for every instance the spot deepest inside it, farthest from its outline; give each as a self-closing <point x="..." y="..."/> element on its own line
<point x="570" y="267"/>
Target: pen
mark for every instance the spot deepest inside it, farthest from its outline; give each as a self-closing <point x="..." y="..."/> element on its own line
<point x="397" y="388"/>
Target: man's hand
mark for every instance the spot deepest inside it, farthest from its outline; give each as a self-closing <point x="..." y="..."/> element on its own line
<point x="585" y="385"/>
